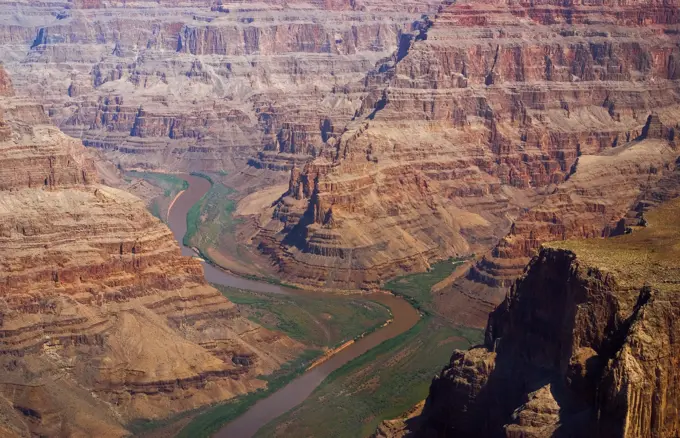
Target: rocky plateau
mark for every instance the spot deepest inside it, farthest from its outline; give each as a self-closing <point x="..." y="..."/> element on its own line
<point x="584" y="344"/>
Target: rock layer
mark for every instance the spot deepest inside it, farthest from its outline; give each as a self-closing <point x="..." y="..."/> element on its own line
<point x="201" y="85"/>
<point x="491" y="110"/>
<point x="102" y="321"/>
<point x="585" y="344"/>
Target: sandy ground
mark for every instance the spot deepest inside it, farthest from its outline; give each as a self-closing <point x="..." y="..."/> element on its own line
<point x="260" y="202"/>
<point x="230" y="263"/>
<point x="457" y="273"/>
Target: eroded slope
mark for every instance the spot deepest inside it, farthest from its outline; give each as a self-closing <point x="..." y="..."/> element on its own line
<point x="102" y="320"/>
<point x="201" y="85"/>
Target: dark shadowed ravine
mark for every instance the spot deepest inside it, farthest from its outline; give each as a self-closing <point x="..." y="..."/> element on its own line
<point x="291" y="395"/>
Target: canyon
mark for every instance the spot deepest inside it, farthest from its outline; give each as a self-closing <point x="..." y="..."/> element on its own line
<point x="102" y="320"/>
<point x="366" y="140"/>
<point x="504" y="125"/>
<point x="407" y="134"/>
<point x="202" y="85"/>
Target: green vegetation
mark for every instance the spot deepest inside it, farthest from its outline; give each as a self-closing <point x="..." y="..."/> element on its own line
<point x="316" y="321"/>
<point x="211" y="217"/>
<point x="321" y="321"/>
<point x="270" y="280"/>
<point x="381" y="384"/>
<point x="170" y="183"/>
<point x="156" y="210"/>
<point x="193" y="216"/>
<point x="210" y="421"/>
<point x="386" y="381"/>
<point x="203" y="175"/>
<point x="416" y="287"/>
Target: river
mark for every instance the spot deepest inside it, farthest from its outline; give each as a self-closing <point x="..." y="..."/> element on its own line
<point x="291" y="395"/>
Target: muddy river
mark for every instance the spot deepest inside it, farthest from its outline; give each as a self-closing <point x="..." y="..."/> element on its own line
<point x="291" y="395"/>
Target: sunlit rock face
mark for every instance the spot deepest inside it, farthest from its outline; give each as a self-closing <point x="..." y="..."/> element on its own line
<point x="583" y="345"/>
<point x="202" y="85"/>
<point x="501" y="117"/>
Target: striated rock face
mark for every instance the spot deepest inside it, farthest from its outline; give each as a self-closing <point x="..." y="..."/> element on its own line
<point x="201" y="85"/>
<point x="6" y="88"/>
<point x="602" y="197"/>
<point x="494" y="108"/>
<point x="585" y="344"/>
<point x="102" y="321"/>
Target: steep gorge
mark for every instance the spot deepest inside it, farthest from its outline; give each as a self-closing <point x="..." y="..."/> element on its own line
<point x="102" y="321"/>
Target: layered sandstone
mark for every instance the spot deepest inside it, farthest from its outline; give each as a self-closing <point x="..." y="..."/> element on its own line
<point x="585" y="344"/>
<point x="6" y="88"/>
<point x="201" y="85"/>
<point x="488" y="112"/>
<point x="602" y="197"/>
<point x="102" y="321"/>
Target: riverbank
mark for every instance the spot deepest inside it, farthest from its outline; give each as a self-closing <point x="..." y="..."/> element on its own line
<point x="388" y="380"/>
<point x="281" y="397"/>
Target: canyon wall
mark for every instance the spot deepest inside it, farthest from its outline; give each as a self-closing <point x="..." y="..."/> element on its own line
<point x="497" y="117"/>
<point x="102" y="321"/>
<point x="201" y="85"/>
<point x="408" y="136"/>
<point x="585" y="344"/>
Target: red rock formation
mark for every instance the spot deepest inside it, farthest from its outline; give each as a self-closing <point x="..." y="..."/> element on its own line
<point x="584" y="345"/>
<point x="93" y="290"/>
<point x="485" y="114"/>
<point x="596" y="201"/>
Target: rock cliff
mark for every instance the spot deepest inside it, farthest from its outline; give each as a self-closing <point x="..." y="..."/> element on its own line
<point x="585" y="344"/>
<point x="201" y="85"/>
<point x="102" y="321"/>
<point x="497" y="117"/>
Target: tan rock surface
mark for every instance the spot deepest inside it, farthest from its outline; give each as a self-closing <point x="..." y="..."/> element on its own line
<point x="201" y="85"/>
<point x="102" y="321"/>
<point x="599" y="199"/>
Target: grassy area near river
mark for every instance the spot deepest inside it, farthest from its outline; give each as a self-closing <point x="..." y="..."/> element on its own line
<point x="212" y="228"/>
<point x="203" y="422"/>
<point x="381" y="384"/>
<point x="211" y="217"/>
<point x="212" y="419"/>
<point x="417" y="287"/>
<point x="170" y="184"/>
<point x="387" y="380"/>
<point x="324" y="321"/>
<point x="319" y="322"/>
